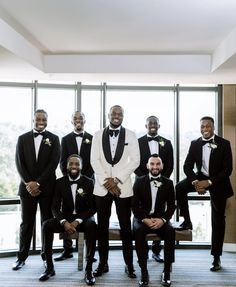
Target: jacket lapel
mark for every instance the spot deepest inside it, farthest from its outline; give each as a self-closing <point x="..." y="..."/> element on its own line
<point x="106" y="145"/>
<point x="149" y="192"/>
<point x="32" y="147"/>
<point x="73" y="142"/>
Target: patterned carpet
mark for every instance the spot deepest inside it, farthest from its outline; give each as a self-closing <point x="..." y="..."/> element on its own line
<point x="191" y="269"/>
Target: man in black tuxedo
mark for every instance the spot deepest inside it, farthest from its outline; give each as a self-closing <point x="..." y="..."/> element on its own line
<point x="76" y="142"/>
<point x="153" y="206"/>
<point x="114" y="157"/>
<point x="37" y="157"/>
<point x="73" y="209"/>
<point x="152" y="143"/>
<point x="212" y="157"/>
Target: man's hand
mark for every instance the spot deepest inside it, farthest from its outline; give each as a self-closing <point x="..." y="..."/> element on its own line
<point x="201" y="186"/>
<point x="33" y="188"/>
<point x="112" y="187"/>
<point x="75" y="223"/>
<point x="69" y="227"/>
<point x="153" y="223"/>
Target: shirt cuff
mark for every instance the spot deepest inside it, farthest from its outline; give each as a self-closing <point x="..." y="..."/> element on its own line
<point x="63" y="221"/>
<point x="79" y="220"/>
<point x="163" y="219"/>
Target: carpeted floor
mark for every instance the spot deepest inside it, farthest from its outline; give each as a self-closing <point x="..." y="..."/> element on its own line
<point x="191" y="269"/>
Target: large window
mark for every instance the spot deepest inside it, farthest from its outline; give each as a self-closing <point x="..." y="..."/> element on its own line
<point x="171" y="105"/>
<point x="15" y="119"/>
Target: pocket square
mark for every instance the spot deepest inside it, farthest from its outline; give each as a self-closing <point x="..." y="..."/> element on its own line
<point x="126" y="144"/>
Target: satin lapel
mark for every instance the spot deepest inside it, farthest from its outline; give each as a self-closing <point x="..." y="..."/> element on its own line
<point x="120" y="146"/>
<point x="146" y="147"/>
<point x="149" y="192"/>
<point x="199" y="152"/>
<point x="42" y="145"/>
<point x="32" y="147"/>
<point x="69" y="194"/>
<point x="73" y="142"/>
<point x="106" y="145"/>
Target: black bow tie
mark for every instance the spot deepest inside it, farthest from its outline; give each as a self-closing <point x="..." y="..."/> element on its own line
<point x="79" y="135"/>
<point x="203" y="142"/>
<point x="113" y="133"/>
<point x="37" y="134"/>
<point x="155" y="179"/>
<point x="153" y="139"/>
<point x="74" y="181"/>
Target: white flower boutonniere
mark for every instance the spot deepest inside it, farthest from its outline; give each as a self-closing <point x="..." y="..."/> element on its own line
<point x="213" y="145"/>
<point x="47" y="142"/>
<point x="81" y="192"/>
<point x="157" y="183"/>
<point x="87" y="141"/>
<point x="161" y="142"/>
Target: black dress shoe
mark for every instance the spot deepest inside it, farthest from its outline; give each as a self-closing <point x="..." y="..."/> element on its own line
<point x="18" y="264"/>
<point x="157" y="257"/>
<point x="129" y="270"/>
<point x="216" y="264"/>
<point x="185" y="225"/>
<point x="144" y="279"/>
<point x="63" y="256"/>
<point x="102" y="268"/>
<point x="89" y="278"/>
<point x="165" y="279"/>
<point x="49" y="272"/>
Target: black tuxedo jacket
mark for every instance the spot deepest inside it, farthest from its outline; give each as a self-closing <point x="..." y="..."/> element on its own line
<point x="220" y="165"/>
<point x="63" y="205"/>
<point x="142" y="199"/>
<point x="165" y="153"/>
<point x="69" y="147"/>
<point x="42" y="170"/>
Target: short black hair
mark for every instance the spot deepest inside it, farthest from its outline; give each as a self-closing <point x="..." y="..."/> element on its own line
<point x="154" y="155"/>
<point x="41" y="111"/>
<point x="207" y="118"/>
<point x="152" y="117"/>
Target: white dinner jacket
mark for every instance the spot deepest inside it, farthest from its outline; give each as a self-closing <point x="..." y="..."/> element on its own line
<point x="129" y="160"/>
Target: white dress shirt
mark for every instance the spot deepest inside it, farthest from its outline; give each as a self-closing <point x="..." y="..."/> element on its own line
<point x="206" y="153"/>
<point x="113" y="142"/>
<point x="79" y="141"/>
<point x="153" y="146"/>
<point x="37" y="143"/>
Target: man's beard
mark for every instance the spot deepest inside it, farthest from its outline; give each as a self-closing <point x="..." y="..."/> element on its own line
<point x="73" y="175"/>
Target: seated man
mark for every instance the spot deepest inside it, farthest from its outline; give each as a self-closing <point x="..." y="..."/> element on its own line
<point x="153" y="206"/>
<point x="73" y="209"/>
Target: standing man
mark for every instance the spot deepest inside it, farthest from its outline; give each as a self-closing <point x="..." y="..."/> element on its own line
<point x="153" y="206"/>
<point x="149" y="144"/>
<point x="37" y="157"/>
<point x="76" y="142"/>
<point x="114" y="157"/>
<point x="212" y="157"/>
<point x="73" y="209"/>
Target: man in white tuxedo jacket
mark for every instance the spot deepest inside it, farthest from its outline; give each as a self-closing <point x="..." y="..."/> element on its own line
<point x="114" y="157"/>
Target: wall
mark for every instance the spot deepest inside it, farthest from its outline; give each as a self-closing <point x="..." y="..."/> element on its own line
<point x="229" y="132"/>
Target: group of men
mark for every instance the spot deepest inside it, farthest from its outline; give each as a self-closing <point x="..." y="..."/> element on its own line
<point x="69" y="203"/>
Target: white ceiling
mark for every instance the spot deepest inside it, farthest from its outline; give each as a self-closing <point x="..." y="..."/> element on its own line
<point x="156" y="41"/>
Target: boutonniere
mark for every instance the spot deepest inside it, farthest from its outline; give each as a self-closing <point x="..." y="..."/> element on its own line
<point x="213" y="145"/>
<point x="87" y="141"/>
<point x="81" y="192"/>
<point x="47" y="142"/>
<point x="157" y="183"/>
<point x="161" y="142"/>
